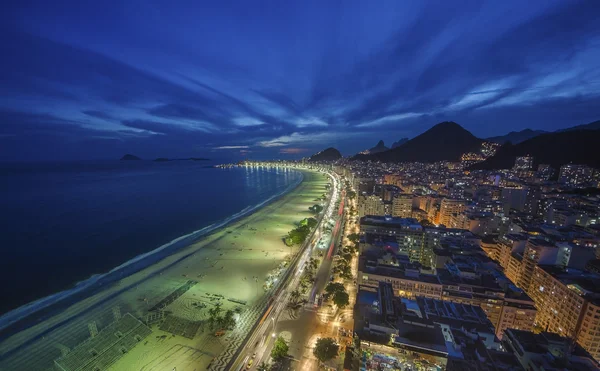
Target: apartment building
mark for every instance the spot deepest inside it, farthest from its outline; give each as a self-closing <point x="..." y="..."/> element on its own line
<point x="568" y="303"/>
<point x="402" y="205"/>
<point x="406" y="232"/>
<point x="537" y="251"/>
<point x="448" y="208"/>
<point x="370" y="205"/>
<point x="504" y="308"/>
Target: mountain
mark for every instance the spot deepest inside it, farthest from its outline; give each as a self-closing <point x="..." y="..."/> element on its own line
<point x="399" y="143"/>
<point x="446" y="141"/>
<point x="555" y="149"/>
<point x="329" y="154"/>
<point x="380" y="147"/>
<point x="591" y="126"/>
<point x="516" y="137"/>
<point x="129" y="157"/>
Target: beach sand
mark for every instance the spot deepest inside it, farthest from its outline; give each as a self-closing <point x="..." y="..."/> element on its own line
<point x="233" y="261"/>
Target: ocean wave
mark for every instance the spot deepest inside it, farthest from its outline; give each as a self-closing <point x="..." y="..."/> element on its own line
<point x="176" y="245"/>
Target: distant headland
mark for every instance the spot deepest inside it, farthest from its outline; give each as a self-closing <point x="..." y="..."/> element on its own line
<point x="129" y="157"/>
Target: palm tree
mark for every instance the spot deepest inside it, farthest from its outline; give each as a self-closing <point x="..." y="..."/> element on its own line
<point x="295" y="296"/>
<point x="262" y="367"/>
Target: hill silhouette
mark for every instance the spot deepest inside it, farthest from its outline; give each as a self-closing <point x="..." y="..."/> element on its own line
<point x="516" y="137"/>
<point x="380" y="147"/>
<point x="554" y="149"/>
<point x="129" y="157"/>
<point x="446" y="141"/>
<point x="591" y="126"/>
<point x="400" y="142"/>
<point x="329" y="154"/>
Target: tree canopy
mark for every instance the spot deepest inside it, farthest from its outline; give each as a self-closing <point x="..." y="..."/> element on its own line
<point x="341" y="299"/>
<point x="309" y="222"/>
<point x="325" y="349"/>
<point x="280" y="349"/>
<point x="332" y="288"/>
<point x="316" y="208"/>
<point x="354" y="237"/>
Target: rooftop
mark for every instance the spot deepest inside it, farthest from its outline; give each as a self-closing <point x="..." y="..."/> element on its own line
<point x="390" y="221"/>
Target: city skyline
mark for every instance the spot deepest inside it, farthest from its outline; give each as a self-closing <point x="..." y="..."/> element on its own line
<point x="96" y="81"/>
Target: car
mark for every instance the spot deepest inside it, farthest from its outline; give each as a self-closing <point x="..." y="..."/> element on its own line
<point x="250" y="362"/>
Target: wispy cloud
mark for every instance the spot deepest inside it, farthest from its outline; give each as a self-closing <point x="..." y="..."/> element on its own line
<point x="389" y="119"/>
<point x="231" y="147"/>
<point x="404" y="69"/>
<point x="306" y="138"/>
<point x="309" y="122"/>
<point x="292" y="151"/>
<point x="247" y="121"/>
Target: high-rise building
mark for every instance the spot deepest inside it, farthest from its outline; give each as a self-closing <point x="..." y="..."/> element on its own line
<point x="537" y="251"/>
<point x="532" y="199"/>
<point x="448" y="207"/>
<point x="547" y="351"/>
<point x="575" y="175"/>
<point x="545" y="172"/>
<point x="406" y="232"/>
<point x="370" y="205"/>
<point x="523" y="163"/>
<point x="504" y="307"/>
<point x="568" y="304"/>
<point x="514" y="197"/>
<point x="402" y="205"/>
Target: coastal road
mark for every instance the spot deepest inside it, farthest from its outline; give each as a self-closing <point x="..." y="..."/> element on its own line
<point x="271" y="331"/>
<point x="260" y="341"/>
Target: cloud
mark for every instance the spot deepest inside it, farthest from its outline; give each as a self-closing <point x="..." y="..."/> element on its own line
<point x="164" y="128"/>
<point x="389" y="119"/>
<point x="309" y="122"/>
<point x="231" y="147"/>
<point x="373" y="73"/>
<point x="247" y="121"/>
<point x="305" y="138"/>
<point x="292" y="151"/>
<point x="98" y="114"/>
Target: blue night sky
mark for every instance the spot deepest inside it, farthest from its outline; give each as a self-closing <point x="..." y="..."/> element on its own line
<point x="227" y="79"/>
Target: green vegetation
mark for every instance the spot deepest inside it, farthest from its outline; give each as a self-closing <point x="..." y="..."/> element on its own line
<point x="337" y="292"/>
<point x="343" y="270"/>
<point x="280" y="349"/>
<point x="308" y="276"/>
<point x="325" y="349"/>
<point x="262" y="367"/>
<point x="297" y="235"/>
<point x="309" y="222"/>
<point x="353" y="249"/>
<point x="354" y="237"/>
<point x="216" y="320"/>
<point x="316" y="208"/>
<point x="332" y="288"/>
<point x="342" y="267"/>
<point x="341" y="299"/>
<point x="351" y="195"/>
<point x="296" y="300"/>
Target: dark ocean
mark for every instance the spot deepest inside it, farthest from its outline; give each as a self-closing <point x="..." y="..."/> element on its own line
<point x="61" y="223"/>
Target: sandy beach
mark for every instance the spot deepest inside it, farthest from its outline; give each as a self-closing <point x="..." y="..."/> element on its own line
<point x="228" y="266"/>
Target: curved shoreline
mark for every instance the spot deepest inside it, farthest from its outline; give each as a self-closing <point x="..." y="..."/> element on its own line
<point x="42" y="309"/>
